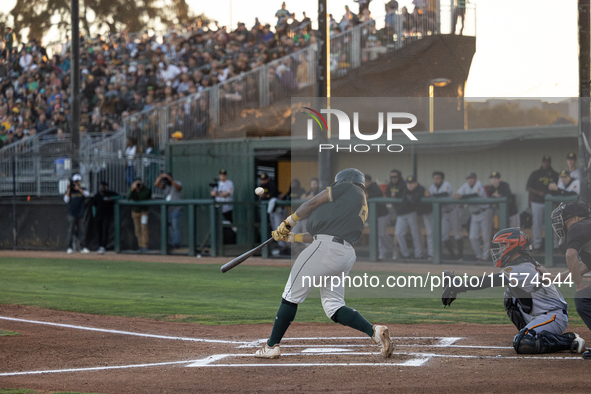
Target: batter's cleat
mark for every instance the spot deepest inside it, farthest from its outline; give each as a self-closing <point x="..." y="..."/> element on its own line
<point x="578" y="344"/>
<point x="70" y="251"/>
<point x="268" y="352"/>
<point x="85" y="250"/>
<point x="381" y="337"/>
<point x="101" y="250"/>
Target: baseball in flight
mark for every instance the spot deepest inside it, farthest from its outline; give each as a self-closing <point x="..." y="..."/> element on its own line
<point x="259" y="191"/>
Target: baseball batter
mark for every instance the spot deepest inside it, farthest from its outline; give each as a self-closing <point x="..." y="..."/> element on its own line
<point x="532" y="302"/>
<point x="480" y="214"/>
<point x="336" y="218"/>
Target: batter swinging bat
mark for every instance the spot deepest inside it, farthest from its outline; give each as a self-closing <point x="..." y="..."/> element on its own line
<point x="238" y="260"/>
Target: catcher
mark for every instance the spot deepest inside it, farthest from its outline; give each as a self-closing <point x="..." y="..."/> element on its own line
<point x="533" y="304"/>
<point x="336" y="217"/>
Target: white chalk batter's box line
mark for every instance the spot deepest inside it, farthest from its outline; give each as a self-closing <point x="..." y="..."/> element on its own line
<point x="310" y="350"/>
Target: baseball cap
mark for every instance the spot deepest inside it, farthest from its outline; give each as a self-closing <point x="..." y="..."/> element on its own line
<point x="571" y="155"/>
<point x="177" y="134"/>
<point x="576" y="208"/>
<point x="564" y="173"/>
<point x="264" y="176"/>
<point x="495" y="174"/>
<point x="77" y="177"/>
<point x="223" y="172"/>
<point x="367" y="177"/>
<point x="470" y="174"/>
<point x="411" y="179"/>
<point x="547" y="158"/>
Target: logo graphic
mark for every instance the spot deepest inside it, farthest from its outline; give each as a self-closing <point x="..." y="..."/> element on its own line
<point x="315" y="117"/>
<point x="344" y="134"/>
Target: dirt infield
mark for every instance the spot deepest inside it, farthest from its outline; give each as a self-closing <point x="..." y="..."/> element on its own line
<point x="64" y="351"/>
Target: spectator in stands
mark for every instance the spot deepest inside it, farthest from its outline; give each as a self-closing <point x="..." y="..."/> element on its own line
<point x="363" y="5"/>
<point x="314" y="189"/>
<point x="9" y="39"/>
<point x="224" y="193"/>
<point x="499" y="188"/>
<point x="172" y="191"/>
<point x="74" y="197"/>
<point x="139" y="213"/>
<point x="282" y="15"/>
<point x="386" y="243"/>
<point x="130" y="152"/>
<point x="538" y="186"/>
<point x="103" y="202"/>
<point x="459" y="12"/>
<point x="349" y="19"/>
<point x="567" y="185"/>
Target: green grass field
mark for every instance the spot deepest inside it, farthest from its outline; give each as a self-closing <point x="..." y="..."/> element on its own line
<point x="202" y="294"/>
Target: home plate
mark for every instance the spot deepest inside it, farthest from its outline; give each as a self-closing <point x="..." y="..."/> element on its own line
<point x="326" y="350"/>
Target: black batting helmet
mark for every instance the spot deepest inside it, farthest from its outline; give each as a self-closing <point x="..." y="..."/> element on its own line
<point x="352" y="175"/>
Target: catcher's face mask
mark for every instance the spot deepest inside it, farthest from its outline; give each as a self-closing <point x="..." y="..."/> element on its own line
<point x="498" y="253"/>
<point x="558" y="223"/>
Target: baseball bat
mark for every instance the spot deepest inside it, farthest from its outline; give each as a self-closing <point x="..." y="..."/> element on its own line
<point x="238" y="260"/>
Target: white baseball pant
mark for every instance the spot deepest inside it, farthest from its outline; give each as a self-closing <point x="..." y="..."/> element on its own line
<point x="403" y="223"/>
<point x="322" y="258"/>
<point x="480" y="223"/>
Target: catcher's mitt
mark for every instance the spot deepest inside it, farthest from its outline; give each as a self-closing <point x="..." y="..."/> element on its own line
<point x="450" y="291"/>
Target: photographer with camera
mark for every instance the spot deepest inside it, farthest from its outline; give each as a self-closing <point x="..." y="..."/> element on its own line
<point x="223" y="191"/>
<point x="74" y="197"/>
<point x="172" y="189"/>
<point x="139" y="213"/>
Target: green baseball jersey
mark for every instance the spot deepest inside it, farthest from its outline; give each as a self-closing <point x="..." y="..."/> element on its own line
<point x="344" y="216"/>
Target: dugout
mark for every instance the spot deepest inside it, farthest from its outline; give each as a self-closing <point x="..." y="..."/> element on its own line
<point x="514" y="152"/>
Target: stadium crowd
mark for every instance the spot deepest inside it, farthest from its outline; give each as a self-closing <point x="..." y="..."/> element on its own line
<point x="123" y="74"/>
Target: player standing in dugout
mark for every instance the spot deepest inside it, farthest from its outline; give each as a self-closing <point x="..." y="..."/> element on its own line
<point x="336" y="218"/>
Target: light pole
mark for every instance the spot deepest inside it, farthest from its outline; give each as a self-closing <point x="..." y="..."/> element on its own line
<point x="433" y="83"/>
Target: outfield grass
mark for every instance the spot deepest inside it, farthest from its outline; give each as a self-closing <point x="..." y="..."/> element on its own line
<point x="200" y="293"/>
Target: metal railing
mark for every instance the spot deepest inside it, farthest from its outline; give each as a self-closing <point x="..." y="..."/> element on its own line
<point x="206" y="114"/>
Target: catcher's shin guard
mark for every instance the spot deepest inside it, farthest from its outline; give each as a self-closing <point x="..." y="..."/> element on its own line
<point x="545" y="342"/>
<point x="450" y="249"/>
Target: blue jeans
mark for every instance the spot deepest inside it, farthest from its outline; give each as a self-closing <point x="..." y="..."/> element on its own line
<point x="129" y="175"/>
<point x="174" y="218"/>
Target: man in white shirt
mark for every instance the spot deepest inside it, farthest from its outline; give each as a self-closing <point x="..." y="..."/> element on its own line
<point x="480" y="215"/>
<point x="169" y="72"/>
<point x="224" y="192"/>
<point x="25" y="61"/>
<point x="567" y="186"/>
<point x="573" y="170"/>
